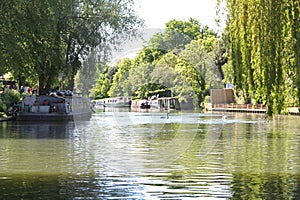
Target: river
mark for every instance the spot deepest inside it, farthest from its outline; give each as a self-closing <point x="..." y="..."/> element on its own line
<point x="149" y="155"/>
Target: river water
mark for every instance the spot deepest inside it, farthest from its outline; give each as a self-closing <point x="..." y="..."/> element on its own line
<point x="149" y="155"/>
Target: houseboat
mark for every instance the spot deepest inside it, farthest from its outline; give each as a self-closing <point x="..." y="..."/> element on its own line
<point x="123" y="101"/>
<point x="53" y="108"/>
<point x="141" y="104"/>
<point x="145" y="104"/>
<point x="98" y="105"/>
<point x="168" y="103"/>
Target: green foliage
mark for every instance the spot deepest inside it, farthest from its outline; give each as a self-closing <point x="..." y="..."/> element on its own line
<point x="190" y="66"/>
<point x="87" y="75"/>
<point x="200" y="54"/>
<point x="164" y="71"/>
<point x="179" y="61"/>
<point x="117" y="88"/>
<point x="148" y="55"/>
<point x="41" y="40"/>
<point x="150" y="89"/>
<point x="100" y="90"/>
<point x="194" y="77"/>
<point x="264" y="43"/>
<point x="221" y="59"/>
<point x="7" y="98"/>
<point x="178" y="34"/>
<point x="197" y="64"/>
<point x="1" y="86"/>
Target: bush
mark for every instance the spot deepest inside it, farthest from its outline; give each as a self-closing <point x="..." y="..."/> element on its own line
<point x="7" y="98"/>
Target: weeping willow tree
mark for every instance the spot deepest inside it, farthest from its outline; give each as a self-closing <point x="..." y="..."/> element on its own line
<point x="265" y="51"/>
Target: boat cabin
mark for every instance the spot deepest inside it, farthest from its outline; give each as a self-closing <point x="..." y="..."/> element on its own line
<point x="45" y="104"/>
<point x="168" y="103"/>
<point x="122" y="101"/>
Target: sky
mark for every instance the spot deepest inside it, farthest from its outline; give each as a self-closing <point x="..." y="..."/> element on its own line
<point x="157" y="12"/>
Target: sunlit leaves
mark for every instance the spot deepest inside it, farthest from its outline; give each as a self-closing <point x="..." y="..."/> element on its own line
<point x="263" y="49"/>
<point x="118" y="81"/>
<point x="182" y="58"/>
<point x="41" y="40"/>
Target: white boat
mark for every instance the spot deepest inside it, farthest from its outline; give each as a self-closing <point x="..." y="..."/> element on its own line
<point x="98" y="105"/>
<point x="123" y="101"/>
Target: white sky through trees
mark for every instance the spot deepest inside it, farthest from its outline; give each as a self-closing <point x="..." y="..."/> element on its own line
<point x="157" y="12"/>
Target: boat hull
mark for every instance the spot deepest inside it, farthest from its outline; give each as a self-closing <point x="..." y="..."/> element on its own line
<point x="118" y="102"/>
<point x="53" y="108"/>
<point x="118" y="105"/>
<point x="27" y="116"/>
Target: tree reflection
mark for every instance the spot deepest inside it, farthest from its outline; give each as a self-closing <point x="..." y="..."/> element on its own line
<point x="265" y="186"/>
<point x="36" y="130"/>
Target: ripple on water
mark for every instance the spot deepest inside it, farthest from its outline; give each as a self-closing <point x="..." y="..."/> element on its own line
<point x="143" y="156"/>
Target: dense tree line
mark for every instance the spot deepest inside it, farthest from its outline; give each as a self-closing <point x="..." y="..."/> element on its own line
<point x="264" y="46"/>
<point x="44" y="42"/>
<point x="184" y="59"/>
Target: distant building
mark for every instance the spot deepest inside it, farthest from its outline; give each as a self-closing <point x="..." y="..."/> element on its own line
<point x="221" y="96"/>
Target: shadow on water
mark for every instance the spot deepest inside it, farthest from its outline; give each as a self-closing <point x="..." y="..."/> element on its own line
<point x="36" y="130"/>
<point x="87" y="186"/>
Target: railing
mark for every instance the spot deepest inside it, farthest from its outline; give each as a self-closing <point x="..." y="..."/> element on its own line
<point x="238" y="107"/>
<point x="258" y="108"/>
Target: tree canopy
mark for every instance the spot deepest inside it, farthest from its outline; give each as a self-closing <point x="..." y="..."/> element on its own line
<point x="264" y="46"/>
<point x="181" y="59"/>
<point x="43" y="41"/>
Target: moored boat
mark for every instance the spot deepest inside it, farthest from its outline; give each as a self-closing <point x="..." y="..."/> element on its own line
<point x="145" y="104"/>
<point x="123" y="101"/>
<point x="169" y="103"/>
<point x="51" y="108"/>
<point x="98" y="105"/>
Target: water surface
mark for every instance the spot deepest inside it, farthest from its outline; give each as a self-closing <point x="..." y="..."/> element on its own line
<point x="142" y="155"/>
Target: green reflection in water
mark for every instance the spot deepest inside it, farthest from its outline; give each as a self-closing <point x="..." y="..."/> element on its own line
<point x="265" y="186"/>
<point x="245" y="158"/>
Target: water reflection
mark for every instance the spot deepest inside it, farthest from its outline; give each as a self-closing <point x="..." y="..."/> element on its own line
<point x="265" y="186"/>
<point x="144" y="156"/>
<point x="36" y="130"/>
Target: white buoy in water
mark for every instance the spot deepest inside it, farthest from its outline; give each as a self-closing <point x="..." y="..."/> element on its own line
<point x="224" y="117"/>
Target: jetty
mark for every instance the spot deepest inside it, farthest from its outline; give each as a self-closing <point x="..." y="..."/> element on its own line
<point x="248" y="108"/>
<point x="245" y="108"/>
<point x="222" y="100"/>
